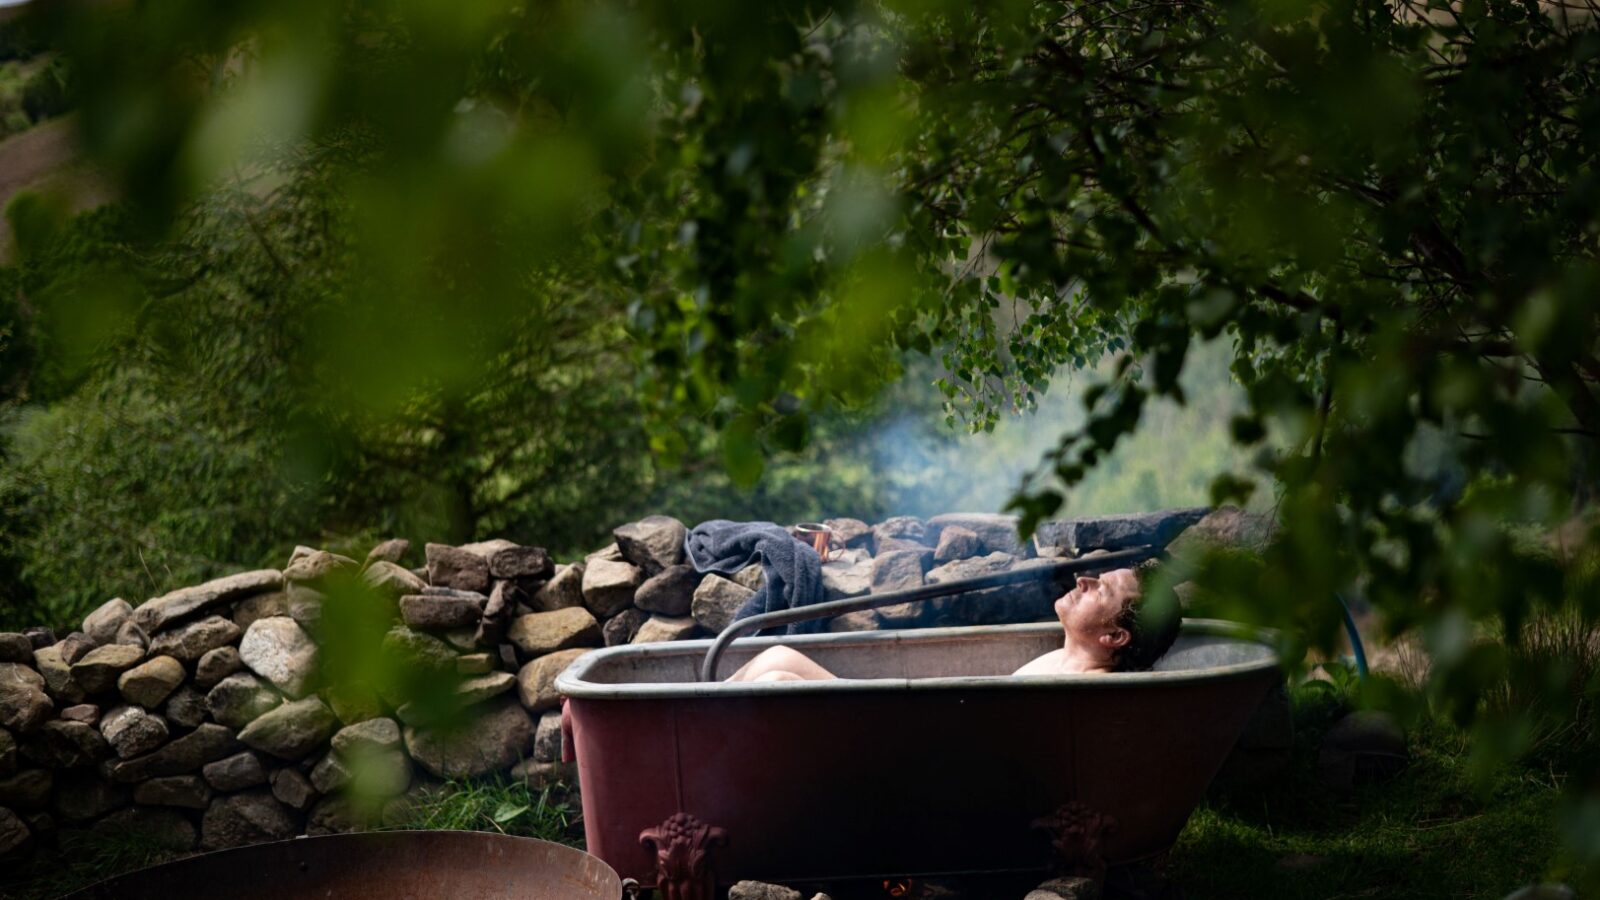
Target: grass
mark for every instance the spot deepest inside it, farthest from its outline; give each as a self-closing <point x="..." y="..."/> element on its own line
<point x="502" y="804"/>
<point x="79" y="859"/>
<point x="1431" y="832"/>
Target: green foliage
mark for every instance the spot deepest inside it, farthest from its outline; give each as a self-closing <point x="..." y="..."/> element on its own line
<point x="1548" y="695"/>
<point x="33" y="79"/>
<point x="24" y="85"/>
<point x="198" y="422"/>
<point x="183" y="407"/>
<point x="1386" y="209"/>
<point x="506" y="805"/>
<point x="1435" y="830"/>
<point x="44" y="94"/>
<point x="20" y="38"/>
<point x="1431" y="835"/>
<point x="115" y="493"/>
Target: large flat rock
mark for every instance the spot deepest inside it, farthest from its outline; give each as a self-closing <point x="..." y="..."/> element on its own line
<point x="61" y="744"/>
<point x="208" y="743"/>
<point x="521" y="562"/>
<point x="97" y="671"/>
<point x="192" y="640"/>
<point x="1227" y="526"/>
<point x="457" y="567"/>
<point x="536" y="634"/>
<point x="154" y="615"/>
<point x="1118" y="532"/>
<point x="438" y="612"/>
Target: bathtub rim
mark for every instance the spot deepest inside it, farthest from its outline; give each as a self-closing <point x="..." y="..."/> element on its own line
<point x="572" y="682"/>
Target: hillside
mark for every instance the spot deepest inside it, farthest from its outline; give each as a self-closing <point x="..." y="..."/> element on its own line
<point x="46" y="159"/>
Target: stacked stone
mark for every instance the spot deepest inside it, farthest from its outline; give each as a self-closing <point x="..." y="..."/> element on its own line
<point x="208" y="717"/>
<point x="220" y="714"/>
<point x="237" y="711"/>
<point x="106" y="727"/>
<point x="907" y="552"/>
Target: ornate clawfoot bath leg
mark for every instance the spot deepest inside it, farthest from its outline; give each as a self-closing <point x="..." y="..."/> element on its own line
<point x="682" y="845"/>
<point x="1078" y="834"/>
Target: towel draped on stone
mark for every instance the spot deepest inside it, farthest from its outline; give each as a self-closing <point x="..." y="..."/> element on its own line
<point x="792" y="571"/>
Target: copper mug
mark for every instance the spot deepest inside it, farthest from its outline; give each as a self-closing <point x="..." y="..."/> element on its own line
<point x="817" y="535"/>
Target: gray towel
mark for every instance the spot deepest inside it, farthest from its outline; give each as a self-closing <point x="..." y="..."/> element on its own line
<point x="792" y="571"/>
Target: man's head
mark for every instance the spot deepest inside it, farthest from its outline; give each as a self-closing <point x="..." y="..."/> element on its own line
<point x="1110" y="616"/>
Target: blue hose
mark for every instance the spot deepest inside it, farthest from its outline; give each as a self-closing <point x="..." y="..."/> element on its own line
<point x="1355" y="637"/>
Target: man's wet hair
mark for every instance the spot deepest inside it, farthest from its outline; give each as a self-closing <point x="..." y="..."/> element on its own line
<point x="1152" y="622"/>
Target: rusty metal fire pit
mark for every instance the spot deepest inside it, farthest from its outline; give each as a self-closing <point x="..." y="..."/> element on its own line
<point x="398" y="865"/>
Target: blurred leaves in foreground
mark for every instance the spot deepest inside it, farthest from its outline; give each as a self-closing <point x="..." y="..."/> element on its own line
<point x="1388" y="209"/>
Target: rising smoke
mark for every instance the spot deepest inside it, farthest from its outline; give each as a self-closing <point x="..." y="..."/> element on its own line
<point x="1171" y="461"/>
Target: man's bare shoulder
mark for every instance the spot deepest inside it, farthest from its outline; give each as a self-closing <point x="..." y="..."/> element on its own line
<point x="1051" y="663"/>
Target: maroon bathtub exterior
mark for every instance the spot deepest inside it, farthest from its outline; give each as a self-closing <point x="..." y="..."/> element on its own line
<point x="824" y="780"/>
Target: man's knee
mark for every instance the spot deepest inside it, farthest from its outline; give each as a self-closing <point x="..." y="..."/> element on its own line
<point x="781" y="657"/>
<point x="778" y="662"/>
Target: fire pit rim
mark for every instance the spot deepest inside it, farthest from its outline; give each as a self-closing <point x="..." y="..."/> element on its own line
<point x="110" y="887"/>
<point x="572" y="682"/>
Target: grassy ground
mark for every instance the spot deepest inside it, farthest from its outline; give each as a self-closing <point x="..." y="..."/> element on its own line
<point x="1428" y="833"/>
<point x="1431" y="832"/>
<point x="78" y="860"/>
<point x="499" y="804"/>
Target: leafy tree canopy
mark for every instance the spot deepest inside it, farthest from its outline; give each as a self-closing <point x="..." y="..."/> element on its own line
<point x="1389" y="209"/>
<point x="175" y="411"/>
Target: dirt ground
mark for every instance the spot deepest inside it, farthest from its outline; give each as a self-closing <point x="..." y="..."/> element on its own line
<point x="47" y="158"/>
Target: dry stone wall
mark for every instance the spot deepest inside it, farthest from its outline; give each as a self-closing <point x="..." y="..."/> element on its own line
<point x="331" y="694"/>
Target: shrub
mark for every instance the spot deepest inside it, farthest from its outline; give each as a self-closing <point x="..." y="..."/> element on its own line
<point x="45" y="94"/>
<point x="15" y="122"/>
<point x="19" y="39"/>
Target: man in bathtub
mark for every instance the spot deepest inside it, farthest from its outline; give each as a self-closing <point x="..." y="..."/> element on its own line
<point x="1108" y="629"/>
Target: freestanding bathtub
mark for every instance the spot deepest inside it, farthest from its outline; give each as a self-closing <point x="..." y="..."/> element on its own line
<point x="926" y="758"/>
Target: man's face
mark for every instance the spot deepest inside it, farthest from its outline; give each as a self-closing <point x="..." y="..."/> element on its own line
<point x="1089" y="611"/>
